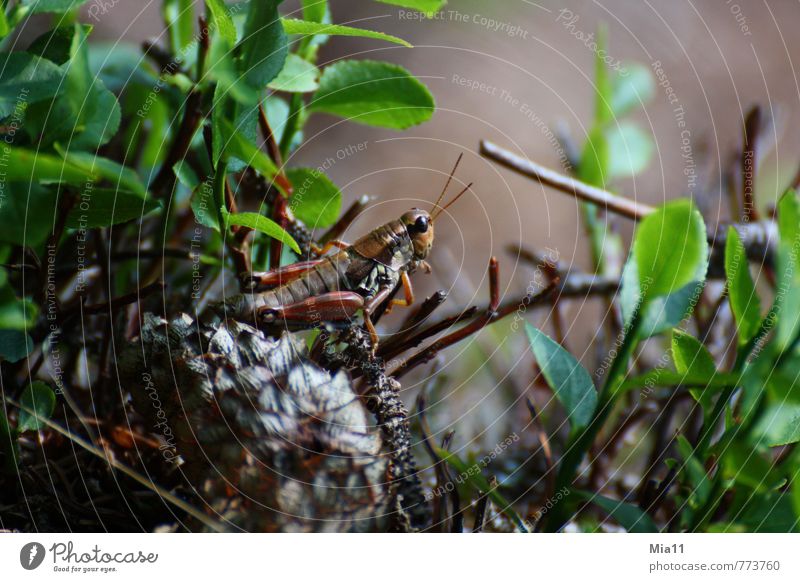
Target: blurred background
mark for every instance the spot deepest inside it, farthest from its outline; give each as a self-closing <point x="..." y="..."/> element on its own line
<point x="518" y="73"/>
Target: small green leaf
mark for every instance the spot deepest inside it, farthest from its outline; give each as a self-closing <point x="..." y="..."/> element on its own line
<point x="15" y="345"/>
<point x="633" y="519"/>
<point x="40" y="399"/>
<point x="105" y="207"/>
<point x="670" y="248"/>
<point x="373" y="93"/>
<point x="27" y="216"/>
<point x="40" y="6"/>
<point x="16" y="314"/>
<point x="571" y="384"/>
<point x="203" y="206"/>
<point x="629" y="149"/>
<point x="778" y="424"/>
<point x="314" y="10"/>
<point x="748" y="467"/>
<point x="4" y="28"/>
<point x="297" y="76"/>
<point x="179" y="16"/>
<point x="243" y="149"/>
<point x="31" y="166"/>
<point x="306" y="28"/>
<point x="264" y="46"/>
<point x="595" y="158"/>
<point x="263" y="225"/>
<point x="222" y="20"/>
<point x="26" y="79"/>
<point x="105" y="169"/>
<point x="693" y="359"/>
<point x="787" y="301"/>
<point x="427" y="7"/>
<point x="664" y="377"/>
<point x="603" y="114"/>
<point x="744" y="300"/>
<point x="315" y="199"/>
<point x="54" y="45"/>
<point x="632" y="87"/>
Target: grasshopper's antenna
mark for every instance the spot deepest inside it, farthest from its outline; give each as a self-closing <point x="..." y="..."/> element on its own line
<point x="449" y="179"/>
<point x="453" y="201"/>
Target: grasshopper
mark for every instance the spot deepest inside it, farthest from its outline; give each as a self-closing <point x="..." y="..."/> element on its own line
<point x="357" y="278"/>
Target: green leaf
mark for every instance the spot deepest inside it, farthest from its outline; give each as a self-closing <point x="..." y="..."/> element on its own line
<point x="15" y="345"/>
<point x="595" y="158"/>
<point x="744" y="300"/>
<point x="203" y="206"/>
<point x="4" y="28"/>
<point x="179" y="17"/>
<point x="41" y="400"/>
<point x="629" y="149"/>
<point x="106" y="207"/>
<point x="779" y="424"/>
<point x="664" y="377"/>
<point x="314" y="10"/>
<point x="692" y="358"/>
<point x="85" y="114"/>
<point x="26" y="79"/>
<point x="603" y="113"/>
<point x="633" y="519"/>
<point x="373" y="93"/>
<point x="696" y="473"/>
<point x="748" y="467"/>
<point x="103" y="168"/>
<point x="243" y="149"/>
<point x="27" y="216"/>
<point x="315" y="199"/>
<point x="16" y="314"/>
<point x="222" y="20"/>
<point x="670" y="248"/>
<point x="39" y="6"/>
<point x="297" y="76"/>
<point x="306" y="28"/>
<point x="262" y="224"/>
<point x="54" y="45"/>
<point x="787" y="300"/>
<point x="264" y="45"/>
<point x="26" y="165"/>
<point x="472" y="474"/>
<point x="428" y="7"/>
<point x="632" y="87"/>
<point x="571" y="384"/>
<point x="660" y="314"/>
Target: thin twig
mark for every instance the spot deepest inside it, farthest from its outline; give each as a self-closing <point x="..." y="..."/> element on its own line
<point x="585" y="192"/>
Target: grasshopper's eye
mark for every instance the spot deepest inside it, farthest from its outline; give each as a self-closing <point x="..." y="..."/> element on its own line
<point x="420" y="225"/>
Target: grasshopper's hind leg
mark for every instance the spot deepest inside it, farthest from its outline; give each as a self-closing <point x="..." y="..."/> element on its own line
<point x="261" y="281"/>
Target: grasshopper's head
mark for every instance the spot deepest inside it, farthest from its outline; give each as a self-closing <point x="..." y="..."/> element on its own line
<point x="419" y="225"/>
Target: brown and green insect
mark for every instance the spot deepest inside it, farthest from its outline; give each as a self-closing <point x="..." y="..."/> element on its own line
<point x="357" y="278"/>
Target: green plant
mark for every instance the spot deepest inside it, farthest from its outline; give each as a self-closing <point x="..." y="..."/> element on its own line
<point x="126" y="166"/>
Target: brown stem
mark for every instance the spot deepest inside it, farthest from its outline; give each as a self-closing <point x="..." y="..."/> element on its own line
<point x="546" y="176"/>
<point x="752" y="127"/>
<point x="494" y="312"/>
<point x="337" y="230"/>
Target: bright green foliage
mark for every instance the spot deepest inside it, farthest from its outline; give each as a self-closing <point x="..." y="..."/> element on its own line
<point x="670" y="249"/>
<point x="745" y="303"/>
<point x="571" y="384"/>
<point x="373" y="93"/>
